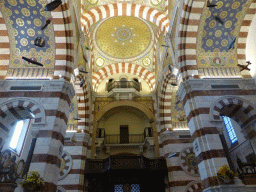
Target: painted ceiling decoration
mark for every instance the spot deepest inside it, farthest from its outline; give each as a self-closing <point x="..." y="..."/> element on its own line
<point x="88" y="18"/>
<point x="160" y="5"/>
<point x="24" y="20"/>
<point x="215" y="36"/>
<point x="123" y="38"/>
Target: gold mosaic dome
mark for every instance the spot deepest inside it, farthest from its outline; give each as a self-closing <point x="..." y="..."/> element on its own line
<point x="123" y="37"/>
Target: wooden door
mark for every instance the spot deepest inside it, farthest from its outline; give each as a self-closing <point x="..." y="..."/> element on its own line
<point x="124" y="134"/>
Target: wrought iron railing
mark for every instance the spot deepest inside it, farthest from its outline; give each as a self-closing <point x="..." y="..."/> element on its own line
<point x="115" y="139"/>
<point x="124" y="162"/>
<point x="123" y="84"/>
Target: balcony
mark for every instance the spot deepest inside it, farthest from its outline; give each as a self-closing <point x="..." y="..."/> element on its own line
<point x="123" y="85"/>
<point x="111" y="142"/>
<point x="123" y="163"/>
<point x="132" y="138"/>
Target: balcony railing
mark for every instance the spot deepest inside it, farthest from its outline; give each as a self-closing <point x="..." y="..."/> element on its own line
<point x="116" y="139"/>
<point x="123" y="84"/>
<point x="125" y="162"/>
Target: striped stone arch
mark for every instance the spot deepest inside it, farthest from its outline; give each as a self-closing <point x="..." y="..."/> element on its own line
<point x="4" y="48"/>
<point x="240" y="104"/>
<point x="116" y="68"/>
<point x="190" y="19"/>
<point x="16" y="107"/>
<point x="88" y="18"/>
<point x="165" y="101"/>
<point x="242" y="37"/>
<point x="83" y="104"/>
<point x="62" y="25"/>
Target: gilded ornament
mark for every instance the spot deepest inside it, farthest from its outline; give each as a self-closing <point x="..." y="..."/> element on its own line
<point x="235" y="5"/>
<point x="31" y="2"/>
<point x="155" y="2"/>
<point x="218" y="33"/>
<point x="219" y="4"/>
<point x="16" y="12"/>
<point x="123" y="38"/>
<point x="37" y="22"/>
<point x="224" y="42"/>
<point x="228" y="24"/>
<point x="223" y="14"/>
<point x="12" y="2"/>
<point x="212" y="24"/>
<point x="8" y="12"/>
<point x="209" y="42"/>
<point x="31" y="32"/>
<point x="24" y="42"/>
<point x="25" y="12"/>
<point x="22" y="32"/>
<point x="100" y="61"/>
<point x="20" y="22"/>
<point x="93" y="2"/>
<point x="146" y="61"/>
<point x="15" y="32"/>
<point x="21" y="1"/>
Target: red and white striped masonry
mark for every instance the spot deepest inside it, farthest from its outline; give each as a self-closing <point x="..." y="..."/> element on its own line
<point x="156" y="40"/>
<point x="116" y="68"/>
<point x="63" y="41"/>
<point x="242" y="37"/>
<point x="165" y="102"/>
<point x="4" y="48"/>
<point x="88" y="18"/>
<point x="188" y="35"/>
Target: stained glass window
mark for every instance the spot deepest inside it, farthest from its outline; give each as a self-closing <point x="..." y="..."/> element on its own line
<point x="230" y="129"/>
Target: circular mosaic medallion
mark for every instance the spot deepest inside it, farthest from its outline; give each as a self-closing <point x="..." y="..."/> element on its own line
<point x="66" y="165"/>
<point x="100" y="61"/>
<point x="123" y="39"/>
<point x="146" y="61"/>
<point x="155" y="2"/>
<point x="188" y="161"/>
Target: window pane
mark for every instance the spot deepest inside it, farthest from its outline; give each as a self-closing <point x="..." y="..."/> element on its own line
<point x="16" y="135"/>
<point x="230" y="129"/>
<point x="118" y="188"/>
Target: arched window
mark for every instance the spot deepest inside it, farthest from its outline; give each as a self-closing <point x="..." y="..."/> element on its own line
<point x="19" y="135"/>
<point x="230" y="129"/>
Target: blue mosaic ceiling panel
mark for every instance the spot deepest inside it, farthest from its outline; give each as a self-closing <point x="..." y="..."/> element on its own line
<point x="27" y="22"/>
<point x="24" y="19"/>
<point x="215" y="36"/>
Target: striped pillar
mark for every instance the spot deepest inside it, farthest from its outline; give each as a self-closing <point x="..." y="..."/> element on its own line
<point x="203" y="116"/>
<point x="4" y="48"/>
<point x="191" y="15"/>
<point x="74" y="181"/>
<point x="171" y="143"/>
<point x="206" y="141"/>
<point x="50" y="138"/>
